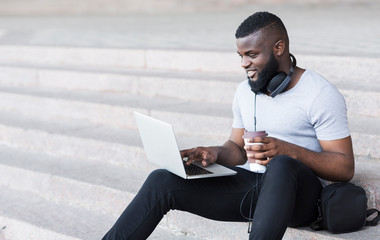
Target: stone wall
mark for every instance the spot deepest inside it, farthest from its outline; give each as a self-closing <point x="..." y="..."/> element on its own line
<point x="73" y="7"/>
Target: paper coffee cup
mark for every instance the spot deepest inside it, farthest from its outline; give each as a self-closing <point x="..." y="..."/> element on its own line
<point x="255" y="167"/>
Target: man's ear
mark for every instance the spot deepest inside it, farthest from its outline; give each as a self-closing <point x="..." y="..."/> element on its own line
<point x="279" y="48"/>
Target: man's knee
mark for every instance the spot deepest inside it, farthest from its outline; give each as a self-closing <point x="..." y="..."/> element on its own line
<point x="159" y="176"/>
<point x="160" y="180"/>
<point x="283" y="163"/>
<point x="282" y="169"/>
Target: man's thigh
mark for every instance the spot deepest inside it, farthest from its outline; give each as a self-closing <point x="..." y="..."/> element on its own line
<point x="216" y="198"/>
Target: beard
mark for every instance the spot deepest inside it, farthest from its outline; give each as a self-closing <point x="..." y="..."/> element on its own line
<point x="270" y="69"/>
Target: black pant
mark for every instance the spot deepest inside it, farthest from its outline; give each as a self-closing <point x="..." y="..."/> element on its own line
<point x="286" y="196"/>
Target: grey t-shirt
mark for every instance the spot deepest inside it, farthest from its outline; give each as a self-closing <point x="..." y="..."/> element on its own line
<point x="312" y="110"/>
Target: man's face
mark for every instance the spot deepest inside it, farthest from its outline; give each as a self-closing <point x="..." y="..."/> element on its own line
<point x="270" y="69"/>
<point x="258" y="60"/>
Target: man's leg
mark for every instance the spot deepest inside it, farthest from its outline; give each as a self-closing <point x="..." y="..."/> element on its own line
<point x="215" y="198"/>
<point x="288" y="197"/>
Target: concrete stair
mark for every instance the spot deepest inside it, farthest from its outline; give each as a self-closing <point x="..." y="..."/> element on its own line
<point x="70" y="155"/>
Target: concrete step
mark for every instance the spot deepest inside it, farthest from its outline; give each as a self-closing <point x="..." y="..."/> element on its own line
<point x="71" y="192"/>
<point x="72" y="204"/>
<point x="82" y="139"/>
<point x="64" y="179"/>
<point x="24" y="214"/>
<point x="363" y="132"/>
<point x="60" y="218"/>
<point x="94" y="145"/>
<point x="207" y="120"/>
<point x="35" y="95"/>
<point x="306" y="233"/>
<point x="194" y="86"/>
<point x="367" y="176"/>
<point x="117" y="110"/>
<point x="63" y="190"/>
<point x="19" y="129"/>
<point x="230" y="230"/>
<point x="70" y="141"/>
<point x="332" y="67"/>
<point x="66" y="183"/>
<point x="70" y="146"/>
<point x="17" y="230"/>
<point x="362" y="97"/>
<point x="117" y="7"/>
<point x="79" y="173"/>
<point x="114" y="146"/>
<point x="183" y="81"/>
<point x="211" y="30"/>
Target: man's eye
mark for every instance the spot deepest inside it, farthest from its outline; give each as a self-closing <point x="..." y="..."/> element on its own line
<point x="252" y="55"/>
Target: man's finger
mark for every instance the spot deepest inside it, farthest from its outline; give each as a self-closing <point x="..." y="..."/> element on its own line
<point x="187" y="152"/>
<point x="264" y="140"/>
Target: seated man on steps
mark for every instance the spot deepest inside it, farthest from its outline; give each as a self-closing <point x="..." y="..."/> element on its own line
<point x="308" y="141"/>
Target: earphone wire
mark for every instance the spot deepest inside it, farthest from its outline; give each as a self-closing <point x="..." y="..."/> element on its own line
<point x="254" y="114"/>
<point x="250" y="207"/>
<point x="254" y="188"/>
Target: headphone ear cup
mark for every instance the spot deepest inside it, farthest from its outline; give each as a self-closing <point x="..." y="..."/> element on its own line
<point x="276" y="81"/>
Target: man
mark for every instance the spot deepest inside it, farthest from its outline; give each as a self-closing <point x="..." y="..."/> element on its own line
<point x="308" y="141"/>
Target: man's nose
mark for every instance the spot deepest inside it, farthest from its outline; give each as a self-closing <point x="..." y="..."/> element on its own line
<point x="245" y="62"/>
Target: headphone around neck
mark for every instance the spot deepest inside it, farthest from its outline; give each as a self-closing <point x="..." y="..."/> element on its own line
<point x="281" y="80"/>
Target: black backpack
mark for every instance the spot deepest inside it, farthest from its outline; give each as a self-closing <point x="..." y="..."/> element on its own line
<point x="343" y="208"/>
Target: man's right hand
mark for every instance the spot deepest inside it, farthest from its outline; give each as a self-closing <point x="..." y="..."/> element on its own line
<point x="205" y="155"/>
<point x="231" y="153"/>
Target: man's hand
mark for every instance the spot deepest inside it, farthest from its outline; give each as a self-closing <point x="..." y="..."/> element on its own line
<point x="334" y="163"/>
<point x="205" y="155"/>
<point x="269" y="148"/>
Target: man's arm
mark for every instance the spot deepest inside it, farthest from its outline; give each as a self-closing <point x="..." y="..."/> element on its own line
<point x="231" y="153"/>
<point x="334" y="163"/>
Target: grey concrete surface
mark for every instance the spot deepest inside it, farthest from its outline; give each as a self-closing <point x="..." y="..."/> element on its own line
<point x="68" y="143"/>
<point x="344" y="28"/>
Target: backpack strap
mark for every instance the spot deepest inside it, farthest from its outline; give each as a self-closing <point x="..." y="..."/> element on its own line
<point x="317" y="225"/>
<point x="374" y="221"/>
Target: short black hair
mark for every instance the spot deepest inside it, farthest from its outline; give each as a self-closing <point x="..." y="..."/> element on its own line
<point x="258" y="21"/>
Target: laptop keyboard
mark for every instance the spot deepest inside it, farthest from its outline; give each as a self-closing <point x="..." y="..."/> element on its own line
<point x="192" y="170"/>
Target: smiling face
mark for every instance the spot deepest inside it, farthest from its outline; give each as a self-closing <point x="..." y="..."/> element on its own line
<point x="258" y="59"/>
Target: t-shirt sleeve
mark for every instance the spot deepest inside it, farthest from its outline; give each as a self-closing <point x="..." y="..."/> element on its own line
<point x="328" y="114"/>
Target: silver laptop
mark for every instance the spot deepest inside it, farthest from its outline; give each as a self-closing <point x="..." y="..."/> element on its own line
<point x="161" y="148"/>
